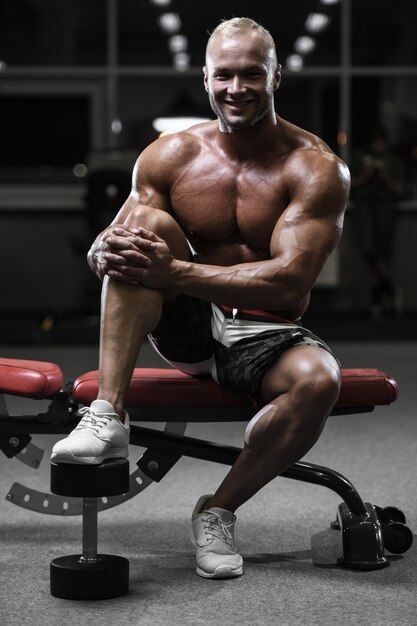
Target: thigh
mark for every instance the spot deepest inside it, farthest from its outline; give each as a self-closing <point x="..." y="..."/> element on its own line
<point x="307" y="370"/>
<point x="183" y="334"/>
<point x="242" y="367"/>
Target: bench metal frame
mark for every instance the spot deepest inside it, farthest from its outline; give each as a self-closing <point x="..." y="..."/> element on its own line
<point x="365" y="528"/>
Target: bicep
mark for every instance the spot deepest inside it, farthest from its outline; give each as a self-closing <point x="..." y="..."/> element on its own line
<point x="311" y="226"/>
<point x="303" y="239"/>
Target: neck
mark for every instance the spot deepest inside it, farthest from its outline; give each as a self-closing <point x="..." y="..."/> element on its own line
<point x="246" y="143"/>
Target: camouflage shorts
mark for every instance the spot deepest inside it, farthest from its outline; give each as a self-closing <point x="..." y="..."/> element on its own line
<point x="237" y="352"/>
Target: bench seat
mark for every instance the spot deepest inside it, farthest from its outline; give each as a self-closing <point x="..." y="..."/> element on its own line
<point x="32" y="379"/>
<point x="162" y="387"/>
<point x="172" y="388"/>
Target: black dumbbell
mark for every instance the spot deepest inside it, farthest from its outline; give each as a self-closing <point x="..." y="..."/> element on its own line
<point x="90" y="576"/>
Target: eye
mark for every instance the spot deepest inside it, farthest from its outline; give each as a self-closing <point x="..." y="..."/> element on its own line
<point x="254" y="75"/>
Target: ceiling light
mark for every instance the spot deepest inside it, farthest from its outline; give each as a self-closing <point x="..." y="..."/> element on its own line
<point x="181" y="61"/>
<point x="80" y="170"/>
<point x="329" y="1"/>
<point x="294" y="62"/>
<point x="169" y="22"/>
<point x="176" y="124"/>
<point x="116" y="126"/>
<point x="317" y="22"/>
<point x="182" y="113"/>
<point x="304" y="45"/>
<point x="341" y="138"/>
<point x="178" y="43"/>
<point x="161" y="3"/>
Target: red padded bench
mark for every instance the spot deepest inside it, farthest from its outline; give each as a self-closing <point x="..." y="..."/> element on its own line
<point x="170" y="388"/>
<point x="32" y="379"/>
<point x="170" y="396"/>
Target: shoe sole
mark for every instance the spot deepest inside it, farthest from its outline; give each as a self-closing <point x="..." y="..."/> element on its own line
<point x="223" y="571"/>
<point x="66" y="456"/>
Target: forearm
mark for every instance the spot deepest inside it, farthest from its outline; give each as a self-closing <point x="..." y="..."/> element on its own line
<point x="248" y="285"/>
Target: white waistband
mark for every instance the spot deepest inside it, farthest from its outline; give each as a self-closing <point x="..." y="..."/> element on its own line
<point x="229" y="330"/>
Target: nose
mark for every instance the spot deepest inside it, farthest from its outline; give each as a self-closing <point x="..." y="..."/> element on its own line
<point x="236" y="85"/>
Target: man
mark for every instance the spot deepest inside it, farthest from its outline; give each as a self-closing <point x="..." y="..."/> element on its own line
<point x="377" y="184"/>
<point x="261" y="203"/>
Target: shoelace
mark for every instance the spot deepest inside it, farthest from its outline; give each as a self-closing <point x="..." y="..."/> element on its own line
<point x="91" y="421"/>
<point x="216" y="528"/>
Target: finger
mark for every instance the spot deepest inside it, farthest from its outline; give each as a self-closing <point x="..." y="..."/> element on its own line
<point x="127" y="274"/>
<point x="144" y="244"/>
<point x="123" y="231"/>
<point x="111" y="258"/>
<point x="148" y="234"/>
<point x="122" y="277"/>
<point x="132" y="256"/>
<point x="119" y="243"/>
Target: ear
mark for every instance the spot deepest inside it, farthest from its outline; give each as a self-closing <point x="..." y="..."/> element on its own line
<point x="205" y="78"/>
<point x="277" y="77"/>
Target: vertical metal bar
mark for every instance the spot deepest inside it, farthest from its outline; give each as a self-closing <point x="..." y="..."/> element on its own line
<point x="3" y="406"/>
<point x="89" y="530"/>
<point x="112" y="74"/>
<point x="345" y="122"/>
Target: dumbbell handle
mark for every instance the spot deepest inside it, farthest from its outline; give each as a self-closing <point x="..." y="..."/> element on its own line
<point x="89" y="531"/>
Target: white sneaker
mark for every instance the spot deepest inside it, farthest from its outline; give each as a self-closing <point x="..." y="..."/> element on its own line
<point x="99" y="435"/>
<point x="212" y="533"/>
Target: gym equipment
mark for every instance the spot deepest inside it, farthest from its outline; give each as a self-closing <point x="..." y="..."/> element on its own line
<point x="90" y="576"/>
<point x="167" y="395"/>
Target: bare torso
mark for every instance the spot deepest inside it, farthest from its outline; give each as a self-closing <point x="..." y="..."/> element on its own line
<point x="247" y="200"/>
<point x="229" y="207"/>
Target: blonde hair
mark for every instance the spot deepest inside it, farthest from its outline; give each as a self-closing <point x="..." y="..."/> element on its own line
<point x="242" y="25"/>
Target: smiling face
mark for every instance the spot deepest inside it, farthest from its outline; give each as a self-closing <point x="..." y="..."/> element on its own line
<point x="240" y="78"/>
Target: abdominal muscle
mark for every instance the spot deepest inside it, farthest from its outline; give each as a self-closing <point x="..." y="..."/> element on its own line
<point x="233" y="253"/>
<point x="227" y="253"/>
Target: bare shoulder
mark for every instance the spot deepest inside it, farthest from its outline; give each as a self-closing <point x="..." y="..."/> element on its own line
<point x="168" y="155"/>
<point x="165" y="162"/>
<point x="312" y="167"/>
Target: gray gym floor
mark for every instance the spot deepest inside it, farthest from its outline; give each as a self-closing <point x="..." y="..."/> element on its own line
<point x="291" y="576"/>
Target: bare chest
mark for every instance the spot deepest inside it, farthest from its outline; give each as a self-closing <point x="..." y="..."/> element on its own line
<point x="226" y="204"/>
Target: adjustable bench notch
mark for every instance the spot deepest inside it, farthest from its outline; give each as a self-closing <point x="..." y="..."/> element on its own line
<point x="156" y="464"/>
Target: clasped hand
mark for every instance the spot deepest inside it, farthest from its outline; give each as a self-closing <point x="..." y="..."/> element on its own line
<point x="137" y="256"/>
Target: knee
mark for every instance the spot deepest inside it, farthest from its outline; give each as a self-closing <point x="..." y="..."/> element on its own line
<point x="301" y="403"/>
<point x="304" y="377"/>
<point x="318" y="384"/>
<point x="162" y="224"/>
<point x="150" y="218"/>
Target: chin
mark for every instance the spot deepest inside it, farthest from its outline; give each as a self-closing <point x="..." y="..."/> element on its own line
<point x="243" y="123"/>
<point x="238" y="124"/>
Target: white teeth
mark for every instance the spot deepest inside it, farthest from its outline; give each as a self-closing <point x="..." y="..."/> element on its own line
<point x="238" y="104"/>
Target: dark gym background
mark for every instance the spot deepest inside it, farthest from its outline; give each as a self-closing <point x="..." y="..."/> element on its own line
<point x="80" y="83"/>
